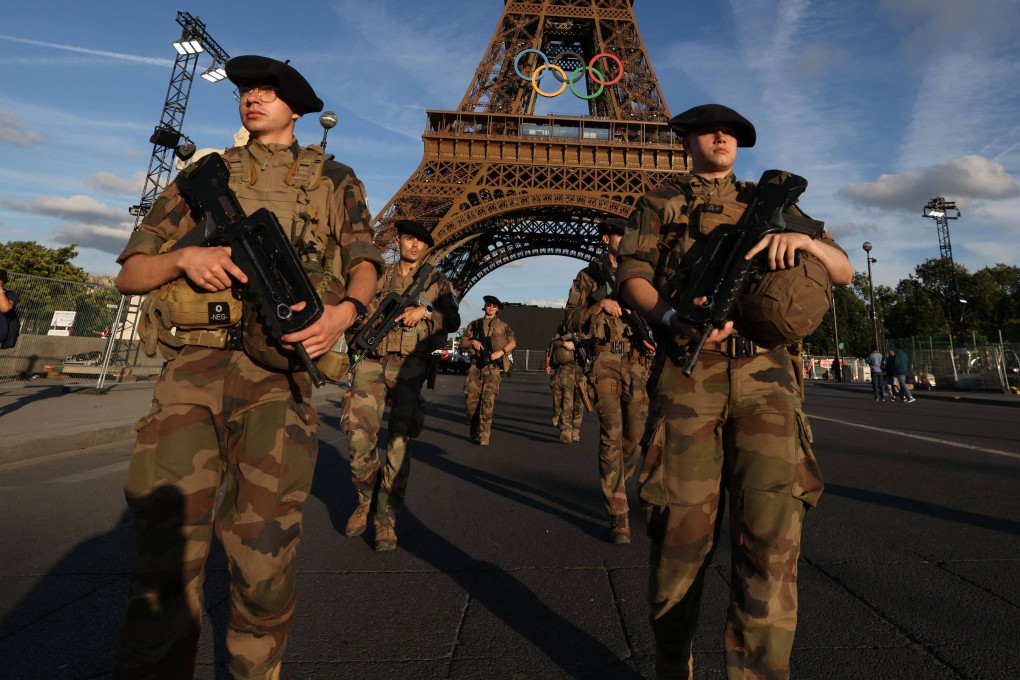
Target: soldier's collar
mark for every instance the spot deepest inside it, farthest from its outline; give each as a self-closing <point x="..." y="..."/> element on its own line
<point x="261" y="153"/>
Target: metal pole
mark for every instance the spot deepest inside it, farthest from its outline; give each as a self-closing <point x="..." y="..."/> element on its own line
<point x="871" y="293"/>
<point x="835" y="336"/>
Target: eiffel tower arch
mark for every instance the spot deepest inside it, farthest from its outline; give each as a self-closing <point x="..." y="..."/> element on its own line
<point x="498" y="183"/>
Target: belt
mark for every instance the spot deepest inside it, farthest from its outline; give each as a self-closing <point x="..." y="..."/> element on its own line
<point x="219" y="338"/>
<point x="734" y="347"/>
<point x="618" y="347"/>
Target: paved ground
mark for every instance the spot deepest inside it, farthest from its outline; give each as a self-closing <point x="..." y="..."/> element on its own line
<point x="503" y="570"/>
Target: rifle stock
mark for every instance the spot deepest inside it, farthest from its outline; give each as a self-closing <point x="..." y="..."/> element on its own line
<point x="717" y="268"/>
<point x="259" y="247"/>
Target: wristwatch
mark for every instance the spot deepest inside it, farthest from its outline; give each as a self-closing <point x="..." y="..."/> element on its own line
<point x="359" y="306"/>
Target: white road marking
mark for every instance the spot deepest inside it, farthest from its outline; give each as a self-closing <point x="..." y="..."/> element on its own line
<point x="917" y="436"/>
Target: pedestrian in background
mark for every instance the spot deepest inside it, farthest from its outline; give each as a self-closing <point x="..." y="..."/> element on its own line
<point x="10" y="325"/>
<point x="901" y="364"/>
<point x="874" y="362"/>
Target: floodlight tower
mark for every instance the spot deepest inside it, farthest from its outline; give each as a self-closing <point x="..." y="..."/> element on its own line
<point x="166" y="142"/>
<point x="941" y="210"/>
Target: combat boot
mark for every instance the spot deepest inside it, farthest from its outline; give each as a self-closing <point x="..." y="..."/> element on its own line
<point x="483" y="439"/>
<point x="619" y="529"/>
<point x="385" y="533"/>
<point x="575" y="436"/>
<point x="555" y="421"/>
<point x="565" y="437"/>
<point x="358" y="520"/>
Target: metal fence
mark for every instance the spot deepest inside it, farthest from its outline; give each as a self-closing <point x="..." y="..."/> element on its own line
<point x="64" y="326"/>
<point x="936" y="363"/>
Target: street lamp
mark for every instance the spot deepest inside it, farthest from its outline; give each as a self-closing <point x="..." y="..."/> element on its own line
<point x="871" y="293"/>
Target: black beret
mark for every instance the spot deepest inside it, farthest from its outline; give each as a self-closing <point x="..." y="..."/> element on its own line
<point x="715" y="114"/>
<point x="493" y="300"/>
<point x="613" y="226"/>
<point x="415" y="229"/>
<point x="291" y="86"/>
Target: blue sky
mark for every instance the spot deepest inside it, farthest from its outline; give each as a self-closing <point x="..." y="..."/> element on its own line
<point x="880" y="104"/>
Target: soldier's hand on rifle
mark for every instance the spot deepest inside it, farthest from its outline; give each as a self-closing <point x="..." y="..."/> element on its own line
<point x="210" y="268"/>
<point x="685" y="330"/>
<point x="568" y="344"/>
<point x="781" y="249"/>
<point x="610" y="307"/>
<point x="411" y="316"/>
<point x="322" y="335"/>
<point x="498" y="354"/>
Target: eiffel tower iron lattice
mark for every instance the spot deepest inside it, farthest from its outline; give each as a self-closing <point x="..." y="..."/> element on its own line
<point x="498" y="183"/>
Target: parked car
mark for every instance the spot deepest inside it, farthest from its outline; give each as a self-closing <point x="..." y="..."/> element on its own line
<point x="453" y="361"/>
<point x="93" y="358"/>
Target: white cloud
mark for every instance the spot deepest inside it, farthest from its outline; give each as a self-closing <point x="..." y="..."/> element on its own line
<point x="105" y="238"/>
<point x="15" y="133"/>
<point x="965" y="178"/>
<point x="78" y="208"/>
<point x="166" y="63"/>
<point x="105" y="181"/>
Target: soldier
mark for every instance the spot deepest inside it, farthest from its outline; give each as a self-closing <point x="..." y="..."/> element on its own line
<point x="734" y="427"/>
<point x="395" y="372"/>
<point x="230" y="442"/>
<point x="489" y="341"/>
<point x="567" y="412"/>
<point x="619" y="372"/>
<point x="10" y="325"/>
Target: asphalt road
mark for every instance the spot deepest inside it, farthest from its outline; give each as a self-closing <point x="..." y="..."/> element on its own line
<point x="503" y="569"/>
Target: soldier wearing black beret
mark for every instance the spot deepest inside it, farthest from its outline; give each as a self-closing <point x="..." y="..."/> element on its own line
<point x="490" y="341"/>
<point x="393" y="373"/>
<point x="415" y="229"/>
<point x="252" y="70"/>
<point x="618" y="371"/>
<point x="731" y="435"/>
<point x="230" y="399"/>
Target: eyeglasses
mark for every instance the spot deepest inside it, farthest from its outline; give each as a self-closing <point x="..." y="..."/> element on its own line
<point x="265" y="93"/>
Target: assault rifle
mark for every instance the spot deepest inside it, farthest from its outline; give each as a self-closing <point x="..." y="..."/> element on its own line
<point x="385" y="317"/>
<point x="259" y="247"/>
<point x="716" y="269"/>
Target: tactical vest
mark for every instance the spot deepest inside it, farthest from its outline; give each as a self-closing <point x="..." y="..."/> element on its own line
<point x="778" y="307"/>
<point x="401" y="339"/>
<point x="604" y="327"/>
<point x="302" y="206"/>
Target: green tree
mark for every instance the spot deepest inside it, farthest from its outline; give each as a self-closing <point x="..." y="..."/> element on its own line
<point x="29" y="257"/>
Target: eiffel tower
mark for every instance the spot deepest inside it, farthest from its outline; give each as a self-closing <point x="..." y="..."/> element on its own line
<point x="498" y="183"/>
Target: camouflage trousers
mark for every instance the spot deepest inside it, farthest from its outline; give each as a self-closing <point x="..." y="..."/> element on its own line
<point x="567" y="407"/>
<point x="219" y="424"/>
<point x="480" y="389"/>
<point x="622" y="404"/>
<point x="397" y="380"/>
<point x="734" y="428"/>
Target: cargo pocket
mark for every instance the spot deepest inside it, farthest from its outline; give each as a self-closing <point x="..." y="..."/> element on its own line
<point x="300" y="447"/>
<point x="808" y="484"/>
<point x="141" y="474"/>
<point x="651" y="486"/>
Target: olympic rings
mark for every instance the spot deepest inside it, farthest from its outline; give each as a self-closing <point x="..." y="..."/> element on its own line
<point x="561" y="75"/>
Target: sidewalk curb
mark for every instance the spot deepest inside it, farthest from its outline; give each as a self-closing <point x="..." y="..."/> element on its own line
<point x="110" y="433"/>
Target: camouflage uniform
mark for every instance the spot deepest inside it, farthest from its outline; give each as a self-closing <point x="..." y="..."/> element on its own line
<point x="394" y="373"/>
<point x="734" y="427"/>
<point x="619" y="373"/>
<point x="482" y="384"/>
<point x="567" y="411"/>
<point x="219" y="420"/>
